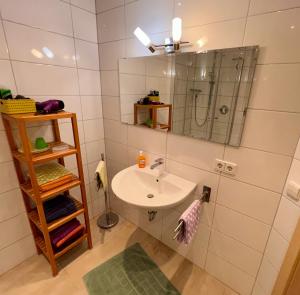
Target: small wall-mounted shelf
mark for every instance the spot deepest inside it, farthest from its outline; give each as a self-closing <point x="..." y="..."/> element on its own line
<point x="31" y="190"/>
<point x="153" y="114"/>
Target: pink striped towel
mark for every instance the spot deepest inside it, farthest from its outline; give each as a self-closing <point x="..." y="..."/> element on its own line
<point x="190" y="218"/>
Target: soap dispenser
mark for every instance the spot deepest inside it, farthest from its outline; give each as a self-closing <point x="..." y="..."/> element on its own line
<point x="141" y="160"/>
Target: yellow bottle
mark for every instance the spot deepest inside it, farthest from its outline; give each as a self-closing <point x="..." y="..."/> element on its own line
<point x="141" y="160"/>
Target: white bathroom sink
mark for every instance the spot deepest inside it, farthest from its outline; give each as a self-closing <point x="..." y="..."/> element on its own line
<point x="141" y="187"/>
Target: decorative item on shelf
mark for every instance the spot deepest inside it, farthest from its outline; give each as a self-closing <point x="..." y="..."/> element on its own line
<point x="151" y="98"/>
<point x="17" y="105"/>
<point x="50" y="106"/>
<point x="60" y="147"/>
<point x="51" y="175"/>
<point x="39" y="146"/>
<point x="172" y="44"/>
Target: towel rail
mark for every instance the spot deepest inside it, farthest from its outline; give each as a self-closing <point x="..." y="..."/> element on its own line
<point x="205" y="198"/>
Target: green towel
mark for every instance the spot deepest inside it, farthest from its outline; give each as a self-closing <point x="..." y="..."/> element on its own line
<point x="132" y="272"/>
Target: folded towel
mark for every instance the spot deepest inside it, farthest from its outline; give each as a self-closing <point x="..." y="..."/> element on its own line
<point x="101" y="176"/>
<point x="190" y="219"/>
<point x="59" y="207"/>
<point x="61" y="232"/>
<point x="75" y="232"/>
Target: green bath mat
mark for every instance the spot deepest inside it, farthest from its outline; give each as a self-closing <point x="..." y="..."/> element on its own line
<point x="132" y="272"/>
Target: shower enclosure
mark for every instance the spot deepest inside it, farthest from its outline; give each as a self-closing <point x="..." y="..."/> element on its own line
<point x="211" y="93"/>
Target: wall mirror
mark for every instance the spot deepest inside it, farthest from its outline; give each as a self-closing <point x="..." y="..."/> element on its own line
<point x="201" y="95"/>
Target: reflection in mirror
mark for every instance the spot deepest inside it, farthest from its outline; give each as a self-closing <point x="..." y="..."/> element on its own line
<point x="200" y="95"/>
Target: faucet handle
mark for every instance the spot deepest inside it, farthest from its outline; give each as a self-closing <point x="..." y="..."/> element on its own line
<point x="159" y="160"/>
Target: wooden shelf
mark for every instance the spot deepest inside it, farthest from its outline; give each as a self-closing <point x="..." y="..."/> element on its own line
<point x="34" y="117"/>
<point x="48" y="155"/>
<point x="34" y="217"/>
<point x="39" y="227"/>
<point x="40" y="242"/>
<point x="27" y="188"/>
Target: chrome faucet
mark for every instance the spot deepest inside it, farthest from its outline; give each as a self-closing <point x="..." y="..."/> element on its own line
<point x="158" y="162"/>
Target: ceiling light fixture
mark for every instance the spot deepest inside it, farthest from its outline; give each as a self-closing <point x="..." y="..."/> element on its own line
<point x="172" y="44"/>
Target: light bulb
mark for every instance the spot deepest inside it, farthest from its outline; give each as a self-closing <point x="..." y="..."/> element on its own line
<point x="176" y="29"/>
<point x="142" y="36"/>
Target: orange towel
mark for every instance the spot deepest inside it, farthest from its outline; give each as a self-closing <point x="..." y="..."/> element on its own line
<point x="70" y="235"/>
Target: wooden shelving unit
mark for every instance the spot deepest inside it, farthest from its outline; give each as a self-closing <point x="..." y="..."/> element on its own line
<point x="30" y="191"/>
<point x="152" y="108"/>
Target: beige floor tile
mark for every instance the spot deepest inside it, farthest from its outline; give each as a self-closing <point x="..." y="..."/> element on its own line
<point x="34" y="275"/>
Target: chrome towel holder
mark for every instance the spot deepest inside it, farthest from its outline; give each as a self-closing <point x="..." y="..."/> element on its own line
<point x="205" y="198"/>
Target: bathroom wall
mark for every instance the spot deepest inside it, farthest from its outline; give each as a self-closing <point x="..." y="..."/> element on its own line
<point x="236" y="225"/>
<point x="48" y="49"/>
<point x="282" y="231"/>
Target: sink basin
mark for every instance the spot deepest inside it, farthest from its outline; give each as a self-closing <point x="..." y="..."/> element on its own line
<point x="142" y="187"/>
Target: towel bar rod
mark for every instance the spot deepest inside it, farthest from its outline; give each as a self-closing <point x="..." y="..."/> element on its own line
<point x="205" y="197"/>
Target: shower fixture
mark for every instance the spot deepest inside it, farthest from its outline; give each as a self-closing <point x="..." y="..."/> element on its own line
<point x="172" y="44"/>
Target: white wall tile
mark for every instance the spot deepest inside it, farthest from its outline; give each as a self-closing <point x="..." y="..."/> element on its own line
<point x="110" y="83"/>
<point x="45" y="80"/>
<point x="9" y="180"/>
<point x="147" y="140"/>
<point x="259" y="168"/>
<point x="230" y="275"/>
<point x="276" y="34"/>
<point x="154" y="21"/>
<point x="91" y="107"/>
<point x="276" y="249"/>
<point x="115" y="130"/>
<point x="35" y="45"/>
<point x="87" y="55"/>
<point x="11" y="204"/>
<point x="6" y="76"/>
<point x="276" y="132"/>
<point x="13" y="229"/>
<point x="111" y="25"/>
<point x="213" y="36"/>
<point x="85" y="4"/>
<point x="116" y="151"/>
<point x="297" y="153"/>
<point x="110" y="53"/>
<point x="111" y="107"/>
<point x="52" y="16"/>
<point x="195" y="13"/>
<point x="84" y="24"/>
<point x="286" y="219"/>
<point x="258" y="290"/>
<point x="235" y="252"/>
<point x="94" y="150"/>
<point x="196" y="153"/>
<point x="253" y="201"/>
<point x="294" y="176"/>
<point x="102" y="5"/>
<point x="93" y="130"/>
<point x="273" y="82"/>
<point x="238" y="226"/>
<point x="16" y="253"/>
<point x="267" y="276"/>
<point x="3" y="45"/>
<point x="5" y="154"/>
<point x="257" y="6"/>
<point x="89" y="82"/>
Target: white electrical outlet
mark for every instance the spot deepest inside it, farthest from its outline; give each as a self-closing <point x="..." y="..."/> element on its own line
<point x="219" y="165"/>
<point x="230" y="168"/>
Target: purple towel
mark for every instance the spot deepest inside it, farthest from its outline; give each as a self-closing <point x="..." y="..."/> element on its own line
<point x="190" y="219"/>
<point x="60" y="232"/>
